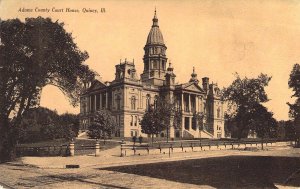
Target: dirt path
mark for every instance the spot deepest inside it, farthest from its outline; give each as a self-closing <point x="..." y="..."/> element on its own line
<point x="19" y="175"/>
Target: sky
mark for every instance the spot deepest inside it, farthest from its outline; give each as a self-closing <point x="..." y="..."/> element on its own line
<point x="218" y="38"/>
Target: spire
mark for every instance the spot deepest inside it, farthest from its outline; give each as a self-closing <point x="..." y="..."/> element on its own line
<point x="155" y="35"/>
<point x="194" y="76"/>
<point x="170" y="68"/>
<point x="155" y="20"/>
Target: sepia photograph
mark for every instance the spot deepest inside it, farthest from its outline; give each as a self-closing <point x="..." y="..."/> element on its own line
<point x="149" y="94"/>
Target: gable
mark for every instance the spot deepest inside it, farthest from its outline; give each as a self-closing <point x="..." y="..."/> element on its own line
<point x="97" y="85"/>
<point x="192" y="87"/>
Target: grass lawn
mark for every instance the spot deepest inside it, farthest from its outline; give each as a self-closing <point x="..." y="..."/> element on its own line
<point x="222" y="172"/>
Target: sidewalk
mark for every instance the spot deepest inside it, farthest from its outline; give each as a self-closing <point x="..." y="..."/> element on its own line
<point x="111" y="157"/>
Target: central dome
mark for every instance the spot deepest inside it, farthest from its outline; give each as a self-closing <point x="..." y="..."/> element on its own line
<point x="155" y="35"/>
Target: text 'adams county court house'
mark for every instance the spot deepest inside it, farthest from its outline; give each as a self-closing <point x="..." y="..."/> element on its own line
<point x="128" y="96"/>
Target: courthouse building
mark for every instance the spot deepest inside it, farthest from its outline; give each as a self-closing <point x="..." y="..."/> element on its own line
<point x="128" y="95"/>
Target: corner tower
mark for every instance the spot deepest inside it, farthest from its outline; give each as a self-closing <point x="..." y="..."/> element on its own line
<point x="155" y="56"/>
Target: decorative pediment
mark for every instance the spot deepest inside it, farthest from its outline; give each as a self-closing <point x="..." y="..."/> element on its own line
<point x="96" y="84"/>
<point x="192" y="87"/>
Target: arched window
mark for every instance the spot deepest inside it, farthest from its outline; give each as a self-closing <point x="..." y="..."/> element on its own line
<point x="218" y="113"/>
<point x="147" y="102"/>
<point x="131" y="122"/>
<point x="133" y="101"/>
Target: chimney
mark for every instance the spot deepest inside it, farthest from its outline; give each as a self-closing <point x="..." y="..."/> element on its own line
<point x="205" y="83"/>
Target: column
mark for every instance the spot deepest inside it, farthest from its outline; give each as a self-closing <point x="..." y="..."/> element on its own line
<point x="201" y="105"/>
<point x="190" y="108"/>
<point x="190" y="123"/>
<point x="197" y="103"/>
<point x="140" y="99"/>
<point x="125" y="97"/>
<point x="182" y="126"/>
<point x="95" y="102"/>
<point x="182" y="105"/>
<point x="106" y="100"/>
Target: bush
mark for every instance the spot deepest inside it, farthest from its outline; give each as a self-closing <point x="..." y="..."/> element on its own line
<point x="140" y="139"/>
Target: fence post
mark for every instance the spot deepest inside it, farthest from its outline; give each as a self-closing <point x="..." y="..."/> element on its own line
<point x="181" y="146"/>
<point x="97" y="148"/>
<point x="72" y="148"/>
<point x="122" y="154"/>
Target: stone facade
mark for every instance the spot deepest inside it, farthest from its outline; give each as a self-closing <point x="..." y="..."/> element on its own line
<point x="128" y="96"/>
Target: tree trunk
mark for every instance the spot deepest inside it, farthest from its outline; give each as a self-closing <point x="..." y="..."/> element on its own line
<point x="262" y="143"/>
<point x="7" y="141"/>
<point x="152" y="135"/>
<point x="167" y="134"/>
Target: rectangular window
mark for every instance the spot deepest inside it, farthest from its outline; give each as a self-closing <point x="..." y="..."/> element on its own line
<point x="133" y="133"/>
<point x="136" y="120"/>
<point x="187" y="123"/>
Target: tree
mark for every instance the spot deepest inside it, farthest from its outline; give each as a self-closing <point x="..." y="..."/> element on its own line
<point x="243" y="96"/>
<point x="294" y="84"/>
<point x="39" y="124"/>
<point x="34" y="122"/>
<point x="229" y="126"/>
<point x="199" y="118"/>
<point x="168" y="113"/>
<point x="151" y="123"/>
<point x="33" y="54"/>
<point x="260" y="120"/>
<point x="71" y="121"/>
<point x="290" y="130"/>
<point x="102" y="126"/>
